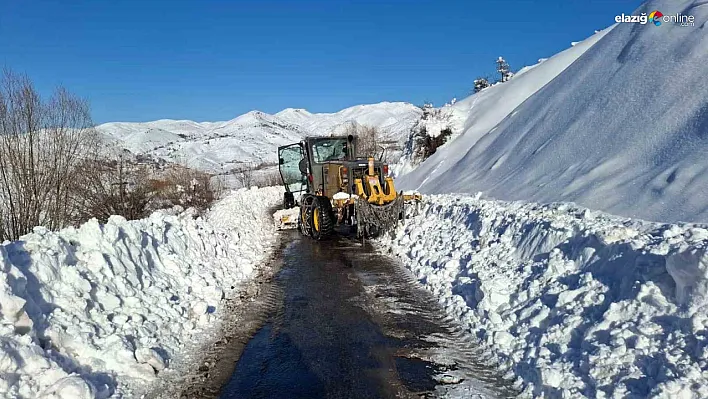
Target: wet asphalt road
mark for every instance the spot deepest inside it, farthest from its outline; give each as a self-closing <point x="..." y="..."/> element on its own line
<point x="353" y="324"/>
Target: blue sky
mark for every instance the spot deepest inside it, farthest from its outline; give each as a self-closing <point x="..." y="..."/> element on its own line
<point x="213" y="60"/>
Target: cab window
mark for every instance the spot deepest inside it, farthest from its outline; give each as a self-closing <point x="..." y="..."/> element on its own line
<point x="329" y="150"/>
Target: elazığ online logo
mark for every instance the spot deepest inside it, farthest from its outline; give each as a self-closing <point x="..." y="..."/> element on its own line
<point x="657" y="18"/>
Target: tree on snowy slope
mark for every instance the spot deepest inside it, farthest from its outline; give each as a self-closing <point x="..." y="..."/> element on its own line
<point x="428" y="109"/>
<point x="504" y="69"/>
<point x="432" y="113"/>
<point x="480" y="84"/>
<point x="429" y="133"/>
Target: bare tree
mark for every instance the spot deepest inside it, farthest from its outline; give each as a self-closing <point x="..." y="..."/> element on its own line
<point x="244" y="174"/>
<point x="118" y="184"/>
<point x="111" y="184"/>
<point x="188" y="188"/>
<point x="369" y="140"/>
<point x="54" y="171"/>
<point x="42" y="148"/>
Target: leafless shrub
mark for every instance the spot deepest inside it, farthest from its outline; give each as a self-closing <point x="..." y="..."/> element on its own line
<point x="265" y="165"/>
<point x="268" y="178"/>
<point x="119" y="185"/>
<point x="438" y="114"/>
<point x="427" y="144"/>
<point x="42" y="147"/>
<point x="112" y="187"/>
<point x="187" y="188"/>
<point x="244" y="174"/>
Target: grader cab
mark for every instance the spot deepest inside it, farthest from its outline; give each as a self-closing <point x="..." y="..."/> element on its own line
<point x="333" y="186"/>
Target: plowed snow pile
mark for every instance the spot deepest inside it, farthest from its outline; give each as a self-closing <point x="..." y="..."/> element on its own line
<point x="624" y="128"/>
<point x="95" y="310"/>
<point x="568" y="301"/>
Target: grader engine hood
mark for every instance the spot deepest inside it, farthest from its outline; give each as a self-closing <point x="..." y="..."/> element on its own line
<point x="353" y="177"/>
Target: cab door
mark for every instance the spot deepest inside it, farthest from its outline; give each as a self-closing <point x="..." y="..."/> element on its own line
<point x="289" y="159"/>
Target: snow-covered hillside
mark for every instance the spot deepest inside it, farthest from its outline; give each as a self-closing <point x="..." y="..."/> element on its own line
<point x="99" y="310"/>
<point x="570" y="302"/>
<point x="252" y="137"/>
<point x="622" y="129"/>
<point x="473" y="117"/>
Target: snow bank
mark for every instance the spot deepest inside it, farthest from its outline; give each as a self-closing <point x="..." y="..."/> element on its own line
<point x="568" y="301"/>
<point x="100" y="309"/>
<point x="622" y="129"/>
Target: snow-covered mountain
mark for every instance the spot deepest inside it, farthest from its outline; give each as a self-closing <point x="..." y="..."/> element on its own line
<point x="394" y="120"/>
<point x="252" y="137"/>
<point x="618" y="122"/>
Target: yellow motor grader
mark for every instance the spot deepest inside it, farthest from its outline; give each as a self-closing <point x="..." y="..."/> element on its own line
<point x="334" y="187"/>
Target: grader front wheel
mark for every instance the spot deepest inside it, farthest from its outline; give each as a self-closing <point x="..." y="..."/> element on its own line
<point x="304" y="220"/>
<point x="321" y="218"/>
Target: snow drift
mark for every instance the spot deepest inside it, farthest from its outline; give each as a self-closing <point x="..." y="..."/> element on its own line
<point x="101" y="309"/>
<point x="622" y="129"/>
<point x="570" y="302"/>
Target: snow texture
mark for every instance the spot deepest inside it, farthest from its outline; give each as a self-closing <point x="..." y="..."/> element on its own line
<point x="100" y="310"/>
<point x="618" y="122"/>
<point x="569" y="302"/>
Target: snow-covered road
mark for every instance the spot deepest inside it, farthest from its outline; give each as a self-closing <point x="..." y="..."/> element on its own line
<point x="569" y="301"/>
<point x="100" y="310"/>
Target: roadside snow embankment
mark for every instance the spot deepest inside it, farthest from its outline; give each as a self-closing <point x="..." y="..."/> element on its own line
<point x="100" y="309"/>
<point x="574" y="128"/>
<point x="568" y="301"/>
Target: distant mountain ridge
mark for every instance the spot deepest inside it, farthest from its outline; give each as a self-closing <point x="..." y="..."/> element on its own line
<point x="252" y="137"/>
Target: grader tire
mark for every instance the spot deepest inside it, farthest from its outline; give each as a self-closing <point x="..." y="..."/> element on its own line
<point x="303" y="223"/>
<point x="321" y="218"/>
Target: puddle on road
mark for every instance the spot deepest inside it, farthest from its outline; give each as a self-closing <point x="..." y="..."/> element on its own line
<point x="355" y="324"/>
<point x="416" y="374"/>
<point x="277" y="366"/>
